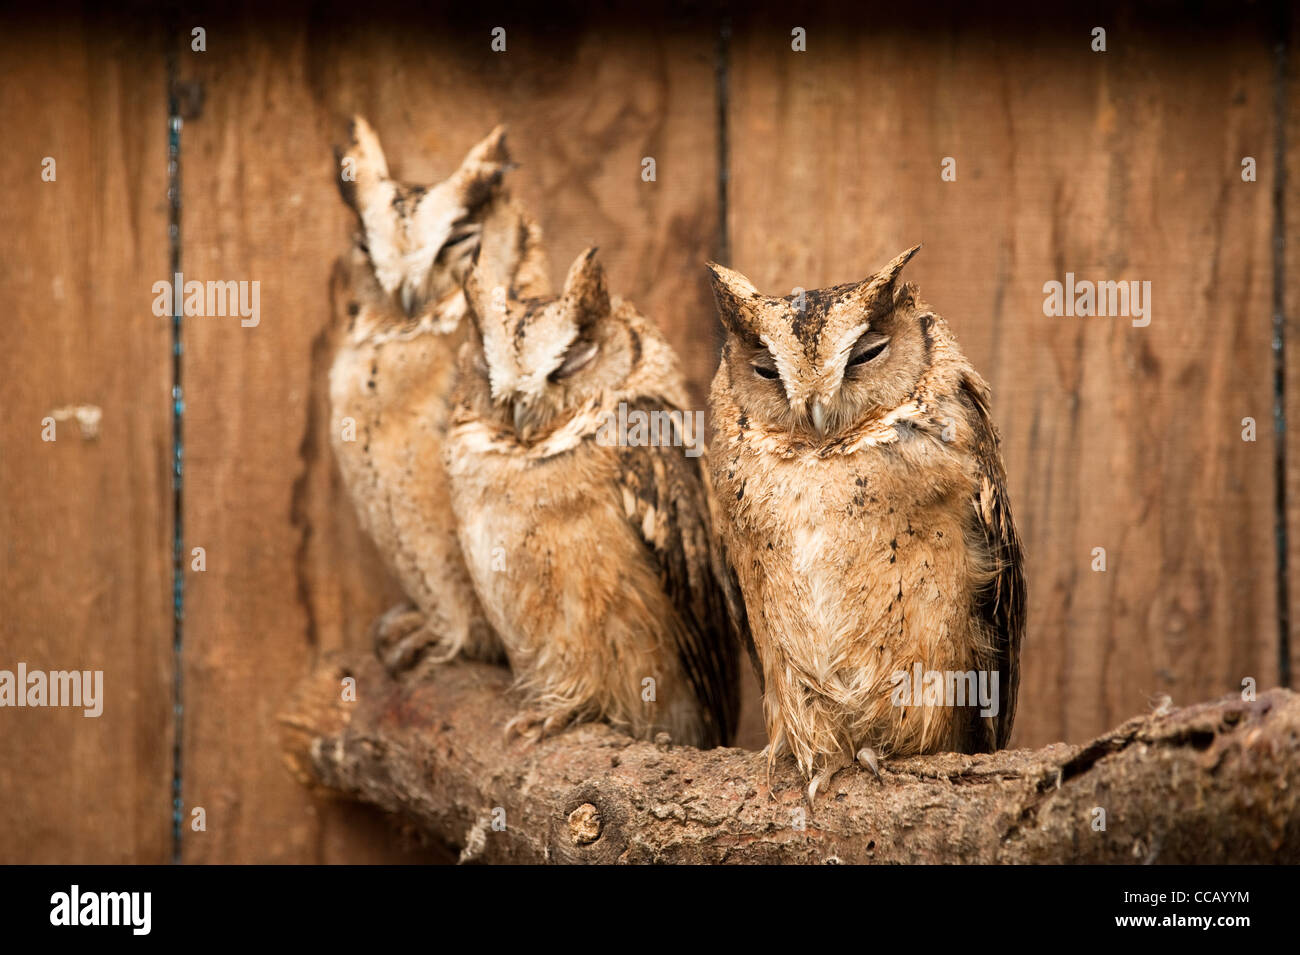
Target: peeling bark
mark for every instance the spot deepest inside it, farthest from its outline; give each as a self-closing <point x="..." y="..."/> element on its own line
<point x="1210" y="783"/>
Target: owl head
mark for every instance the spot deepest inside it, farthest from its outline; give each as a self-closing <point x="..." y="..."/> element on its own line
<point x="819" y="362"/>
<point x="542" y="358"/>
<point x="420" y="239"/>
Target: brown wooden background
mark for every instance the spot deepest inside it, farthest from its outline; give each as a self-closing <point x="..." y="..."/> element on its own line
<point x="797" y="168"/>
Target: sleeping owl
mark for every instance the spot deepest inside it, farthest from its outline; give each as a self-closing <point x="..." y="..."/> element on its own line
<point x="590" y="549"/>
<point x="398" y="309"/>
<point x="863" y="516"/>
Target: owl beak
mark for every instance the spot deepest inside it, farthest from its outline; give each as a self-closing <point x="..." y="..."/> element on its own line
<point x="408" y="297"/>
<point x="521" y="417"/>
<point x="819" y="416"/>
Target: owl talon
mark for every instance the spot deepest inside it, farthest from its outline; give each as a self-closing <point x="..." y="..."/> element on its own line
<point x="823" y="776"/>
<point x="816" y="784"/>
<point x="401" y="639"/>
<point x="528" y="725"/>
<point x="537" y="725"/>
<point x="867" y="759"/>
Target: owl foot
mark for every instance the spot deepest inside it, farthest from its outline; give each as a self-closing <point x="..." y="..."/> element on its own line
<point x="824" y="776"/>
<point x="813" y="787"/>
<point x="401" y="639"/>
<point x="536" y="725"/>
<point x="867" y="760"/>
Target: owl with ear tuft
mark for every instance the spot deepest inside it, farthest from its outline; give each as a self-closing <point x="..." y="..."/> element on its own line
<point x="590" y="546"/>
<point x="398" y="322"/>
<point x="863" y="516"/>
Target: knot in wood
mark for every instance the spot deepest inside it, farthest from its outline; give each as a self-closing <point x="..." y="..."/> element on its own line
<point x="584" y="824"/>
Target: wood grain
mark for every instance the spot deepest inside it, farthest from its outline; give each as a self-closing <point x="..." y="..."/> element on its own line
<point x="85" y="578"/>
<point x="1122" y="165"/>
<point x="1287" y="294"/>
<point x="289" y="576"/>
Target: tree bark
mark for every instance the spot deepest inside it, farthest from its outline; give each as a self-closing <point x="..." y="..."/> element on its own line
<point x="1214" y="782"/>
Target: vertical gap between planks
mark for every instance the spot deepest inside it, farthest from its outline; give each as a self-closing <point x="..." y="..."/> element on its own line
<point x="1279" y="344"/>
<point x="172" y="35"/>
<point x="722" y="65"/>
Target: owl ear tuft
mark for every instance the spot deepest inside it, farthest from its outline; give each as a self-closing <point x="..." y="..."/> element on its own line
<point x="481" y="172"/>
<point x="361" y="164"/>
<point x="879" y="290"/>
<point x="585" y="296"/>
<point x="891" y="271"/>
<point x="736" y="298"/>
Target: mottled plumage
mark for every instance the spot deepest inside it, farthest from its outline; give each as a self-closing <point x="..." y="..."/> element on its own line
<point x="862" y="509"/>
<point x="592" y="560"/>
<point x="399" y="307"/>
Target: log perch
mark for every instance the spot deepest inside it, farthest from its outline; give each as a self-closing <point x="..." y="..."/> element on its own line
<point x="1210" y="783"/>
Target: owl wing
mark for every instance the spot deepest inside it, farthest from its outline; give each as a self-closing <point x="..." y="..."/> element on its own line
<point x="737" y="615"/>
<point x="1001" y="604"/>
<point x="666" y="482"/>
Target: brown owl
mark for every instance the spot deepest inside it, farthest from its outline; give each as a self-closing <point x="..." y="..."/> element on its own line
<point x="580" y="494"/>
<point x="862" y="509"/>
<point x="399" y="307"/>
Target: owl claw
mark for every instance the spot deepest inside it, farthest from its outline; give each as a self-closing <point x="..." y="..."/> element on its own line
<point x="867" y="759"/>
<point x="401" y="639"/>
<point x="532" y="726"/>
<point x="536" y="725"/>
<point x="522" y="726"/>
<point x="816" y="783"/>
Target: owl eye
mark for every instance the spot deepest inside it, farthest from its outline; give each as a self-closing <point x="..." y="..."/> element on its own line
<point x="764" y="366"/>
<point x="577" y="358"/>
<point x="463" y="233"/>
<point x="864" y="352"/>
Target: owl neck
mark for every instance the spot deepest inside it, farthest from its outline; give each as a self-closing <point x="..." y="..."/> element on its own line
<point x="440" y="318"/>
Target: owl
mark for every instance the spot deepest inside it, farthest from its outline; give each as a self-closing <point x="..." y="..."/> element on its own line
<point x="399" y="308"/>
<point x="863" y="516"/>
<point x="589" y="543"/>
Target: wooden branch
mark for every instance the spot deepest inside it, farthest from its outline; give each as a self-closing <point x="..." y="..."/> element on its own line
<point x="1214" y="782"/>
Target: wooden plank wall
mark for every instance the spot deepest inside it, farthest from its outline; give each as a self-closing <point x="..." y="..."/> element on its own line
<point x="85" y="524"/>
<point x="1122" y="165"/>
